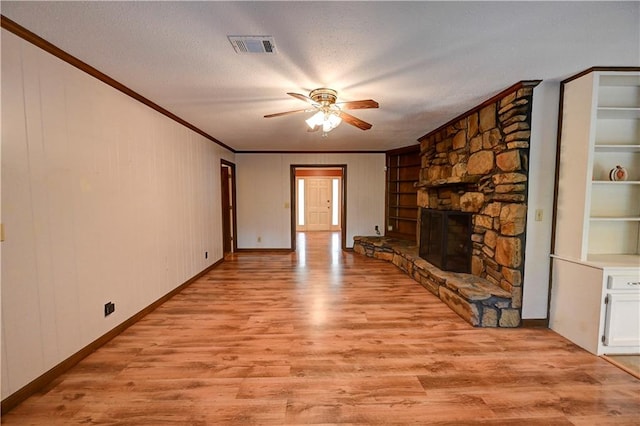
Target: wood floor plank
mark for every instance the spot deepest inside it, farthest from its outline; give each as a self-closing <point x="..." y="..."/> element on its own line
<point x="322" y="336"/>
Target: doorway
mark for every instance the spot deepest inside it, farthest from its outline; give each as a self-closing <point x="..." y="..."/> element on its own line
<point x="228" y="203"/>
<point x="318" y="203"/>
<point x="318" y="199"/>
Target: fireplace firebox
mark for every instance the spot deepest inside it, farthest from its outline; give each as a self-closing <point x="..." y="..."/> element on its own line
<point x="445" y="239"/>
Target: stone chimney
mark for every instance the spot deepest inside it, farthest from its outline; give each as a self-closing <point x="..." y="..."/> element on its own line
<point x="478" y="163"/>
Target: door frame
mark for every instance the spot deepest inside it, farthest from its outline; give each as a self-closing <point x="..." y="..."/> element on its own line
<point x="343" y="199"/>
<point x="230" y="204"/>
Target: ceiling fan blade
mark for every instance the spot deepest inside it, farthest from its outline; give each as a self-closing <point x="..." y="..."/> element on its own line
<point x="303" y="98"/>
<point x="278" y="114"/>
<point x="354" y="121"/>
<point x="314" y="129"/>
<point x="366" y="103"/>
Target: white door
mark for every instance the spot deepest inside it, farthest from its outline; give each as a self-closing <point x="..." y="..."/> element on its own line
<point x="318" y="204"/>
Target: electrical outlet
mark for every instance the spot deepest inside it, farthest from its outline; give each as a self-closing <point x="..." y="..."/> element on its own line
<point x="259" y="239"/>
<point x="109" y="308"/>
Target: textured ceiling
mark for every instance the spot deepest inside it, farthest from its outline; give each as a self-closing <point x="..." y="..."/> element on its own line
<point x="424" y="62"/>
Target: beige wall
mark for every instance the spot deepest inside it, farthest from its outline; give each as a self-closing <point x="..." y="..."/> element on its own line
<point x="103" y="199"/>
<point x="264" y="195"/>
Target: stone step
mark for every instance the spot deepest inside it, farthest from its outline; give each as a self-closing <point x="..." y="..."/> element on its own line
<point x="477" y="300"/>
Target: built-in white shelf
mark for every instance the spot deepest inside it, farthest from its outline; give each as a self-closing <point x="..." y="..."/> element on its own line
<point x="618" y="112"/>
<point x="615" y="218"/>
<point x="617" y="148"/>
<point x="616" y="182"/>
<point x="614" y="260"/>
<point x="597" y="225"/>
<point x="630" y="81"/>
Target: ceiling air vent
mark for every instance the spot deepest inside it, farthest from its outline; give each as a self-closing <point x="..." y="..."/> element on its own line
<point x="253" y="44"/>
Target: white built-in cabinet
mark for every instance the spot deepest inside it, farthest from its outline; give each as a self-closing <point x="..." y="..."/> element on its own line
<point x="595" y="288"/>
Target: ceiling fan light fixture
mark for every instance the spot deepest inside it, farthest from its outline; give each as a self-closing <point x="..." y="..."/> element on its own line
<point x="316" y="119"/>
<point x="326" y="118"/>
<point x="331" y="121"/>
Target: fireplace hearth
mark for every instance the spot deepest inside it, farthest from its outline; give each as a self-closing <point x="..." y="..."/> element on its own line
<point x="445" y="239"/>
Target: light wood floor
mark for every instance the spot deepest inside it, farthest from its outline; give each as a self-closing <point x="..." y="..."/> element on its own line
<point x="325" y="337"/>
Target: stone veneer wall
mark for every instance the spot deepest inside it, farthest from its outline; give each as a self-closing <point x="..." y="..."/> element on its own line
<point x="478" y="163"/>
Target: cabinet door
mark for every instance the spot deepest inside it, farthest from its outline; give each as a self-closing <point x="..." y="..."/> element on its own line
<point x="622" y="324"/>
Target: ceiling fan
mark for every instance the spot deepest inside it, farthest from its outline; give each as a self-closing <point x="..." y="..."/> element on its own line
<point x="329" y="113"/>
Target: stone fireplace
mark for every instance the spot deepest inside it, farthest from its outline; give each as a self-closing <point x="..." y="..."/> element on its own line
<point x="475" y="166"/>
<point x="478" y="164"/>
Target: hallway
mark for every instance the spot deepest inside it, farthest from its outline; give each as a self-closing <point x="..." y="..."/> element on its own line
<point x="323" y="336"/>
